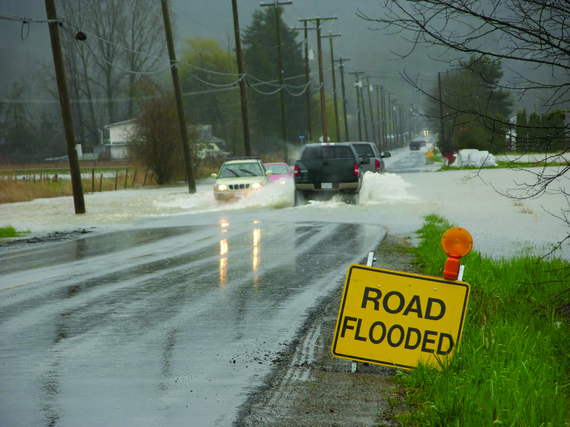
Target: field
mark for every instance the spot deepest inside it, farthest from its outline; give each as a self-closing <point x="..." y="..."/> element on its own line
<point x="33" y="182"/>
<point x="513" y="366"/>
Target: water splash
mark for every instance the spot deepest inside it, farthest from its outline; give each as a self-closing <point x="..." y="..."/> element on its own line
<point x="385" y="188"/>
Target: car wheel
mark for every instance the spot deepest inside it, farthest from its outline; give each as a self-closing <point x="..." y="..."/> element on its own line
<point x="298" y="198"/>
<point x="350" y="198"/>
<point x="301" y="197"/>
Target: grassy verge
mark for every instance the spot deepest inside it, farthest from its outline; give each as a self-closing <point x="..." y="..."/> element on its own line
<point x="34" y="186"/>
<point x="513" y="366"/>
<point x="517" y="165"/>
<point x="9" y="231"/>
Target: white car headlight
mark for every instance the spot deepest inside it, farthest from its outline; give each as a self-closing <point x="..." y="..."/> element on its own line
<point x="221" y="187"/>
<point x="256" y="185"/>
<point x="282" y="182"/>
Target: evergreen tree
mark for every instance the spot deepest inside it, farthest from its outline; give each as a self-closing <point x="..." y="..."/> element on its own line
<point x="553" y="131"/>
<point x="260" y="62"/>
<point x="471" y="103"/>
<point x="534" y="143"/>
<point x="489" y="73"/>
<point x="522" y="130"/>
<point x="207" y="71"/>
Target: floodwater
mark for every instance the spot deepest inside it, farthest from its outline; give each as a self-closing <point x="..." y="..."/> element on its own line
<point x="171" y="307"/>
<point x="474" y="200"/>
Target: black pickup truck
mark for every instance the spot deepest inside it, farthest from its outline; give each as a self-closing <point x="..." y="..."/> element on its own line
<point x="324" y="170"/>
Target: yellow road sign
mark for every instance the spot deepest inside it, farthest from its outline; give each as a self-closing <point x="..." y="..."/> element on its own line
<point x="399" y="319"/>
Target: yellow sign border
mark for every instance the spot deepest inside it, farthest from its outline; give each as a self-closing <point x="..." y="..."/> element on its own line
<point x="426" y="278"/>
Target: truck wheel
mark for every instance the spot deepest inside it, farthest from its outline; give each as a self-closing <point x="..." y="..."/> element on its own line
<point x="299" y="199"/>
<point x="350" y="198"/>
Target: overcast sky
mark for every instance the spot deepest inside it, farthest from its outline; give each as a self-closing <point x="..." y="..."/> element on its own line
<point x="369" y="50"/>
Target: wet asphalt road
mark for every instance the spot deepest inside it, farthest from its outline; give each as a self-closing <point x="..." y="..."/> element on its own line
<point x="414" y="161"/>
<point x="161" y="325"/>
<point x="173" y="321"/>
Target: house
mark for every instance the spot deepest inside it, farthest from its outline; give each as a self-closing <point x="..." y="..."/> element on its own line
<point x="117" y="148"/>
<point x="206" y="144"/>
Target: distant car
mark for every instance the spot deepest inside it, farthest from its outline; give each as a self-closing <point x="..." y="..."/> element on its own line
<point x="417" y="143"/>
<point x="280" y="172"/>
<point x="323" y="170"/>
<point x="371" y="157"/>
<point x="240" y="176"/>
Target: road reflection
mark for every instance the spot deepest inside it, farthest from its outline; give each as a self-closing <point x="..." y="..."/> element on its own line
<point x="255" y="264"/>
<point x="223" y="262"/>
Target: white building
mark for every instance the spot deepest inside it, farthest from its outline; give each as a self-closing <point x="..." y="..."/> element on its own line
<point x="117" y="148"/>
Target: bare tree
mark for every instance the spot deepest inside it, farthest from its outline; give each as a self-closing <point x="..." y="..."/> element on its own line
<point x="531" y="36"/>
<point x="155" y="139"/>
<point x="143" y="37"/>
<point x="124" y="43"/>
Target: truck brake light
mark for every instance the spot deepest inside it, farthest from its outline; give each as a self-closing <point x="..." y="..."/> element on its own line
<point x="356" y="170"/>
<point x="377" y="164"/>
<point x="296" y="170"/>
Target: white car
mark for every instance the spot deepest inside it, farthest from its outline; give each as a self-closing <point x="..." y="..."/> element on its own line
<point x="240" y="176"/>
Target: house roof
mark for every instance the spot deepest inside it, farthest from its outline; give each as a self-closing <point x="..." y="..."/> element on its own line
<point x="124" y="122"/>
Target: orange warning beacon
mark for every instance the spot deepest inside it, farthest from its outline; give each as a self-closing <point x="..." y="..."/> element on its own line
<point x="456" y="243"/>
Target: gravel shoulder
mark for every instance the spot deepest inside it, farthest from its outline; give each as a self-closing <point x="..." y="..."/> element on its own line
<point x="310" y="387"/>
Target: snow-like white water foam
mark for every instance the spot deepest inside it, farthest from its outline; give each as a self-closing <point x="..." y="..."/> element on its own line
<point x="274" y="196"/>
<point x="376" y="189"/>
<point x="385" y="188"/>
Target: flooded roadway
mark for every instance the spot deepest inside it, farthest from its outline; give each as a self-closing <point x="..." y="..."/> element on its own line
<point x="170" y="308"/>
<point x="162" y="325"/>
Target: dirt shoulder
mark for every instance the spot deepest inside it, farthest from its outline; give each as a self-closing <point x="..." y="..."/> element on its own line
<point x="310" y="387"/>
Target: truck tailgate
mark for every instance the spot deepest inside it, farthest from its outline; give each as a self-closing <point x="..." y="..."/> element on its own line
<point x="329" y="170"/>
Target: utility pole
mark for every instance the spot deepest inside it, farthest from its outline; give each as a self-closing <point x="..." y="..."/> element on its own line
<point x="390" y="136"/>
<point x="321" y="76"/>
<point x="399" y="123"/>
<point x="443" y="146"/>
<point x="364" y="110"/>
<point x="341" y="67"/>
<point x="395" y="119"/>
<point x="330" y="37"/>
<point x="244" y="117"/>
<point x="380" y="145"/>
<point x="307" y="81"/>
<point x="357" y="85"/>
<point x="383" y="117"/>
<point x="370" y="105"/>
<point x="65" y="106"/>
<point x="178" y="95"/>
<point x="277" y="11"/>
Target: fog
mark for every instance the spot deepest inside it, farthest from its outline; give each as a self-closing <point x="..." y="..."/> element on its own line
<point x="25" y="49"/>
<point x="369" y="50"/>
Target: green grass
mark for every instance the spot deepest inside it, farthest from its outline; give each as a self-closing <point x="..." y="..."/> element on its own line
<point x="518" y="165"/>
<point x="9" y="231"/>
<point x="513" y="364"/>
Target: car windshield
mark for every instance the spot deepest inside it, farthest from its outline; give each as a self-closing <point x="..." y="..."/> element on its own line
<point x="364" y="150"/>
<point x="318" y="152"/>
<point x="233" y="170"/>
<point x="278" y="169"/>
